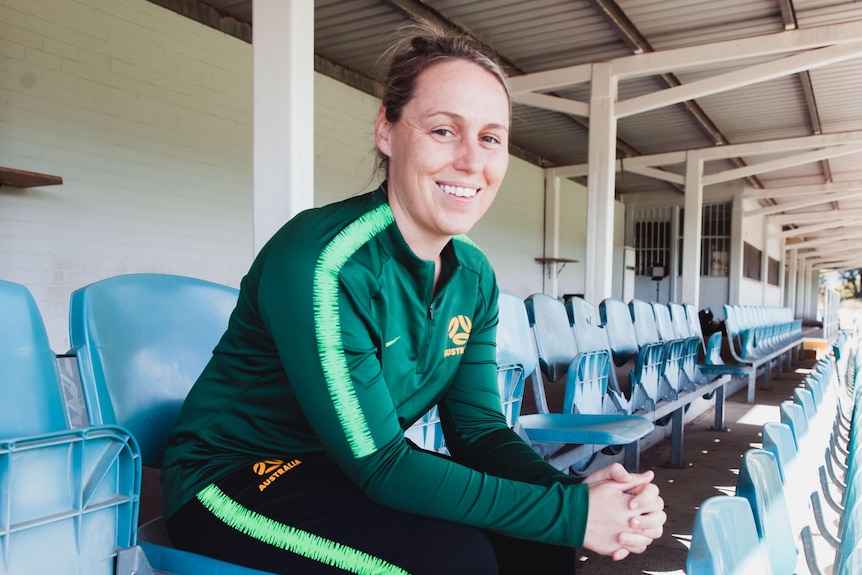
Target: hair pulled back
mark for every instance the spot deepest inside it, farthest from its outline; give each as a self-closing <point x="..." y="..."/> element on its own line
<point x="423" y="44"/>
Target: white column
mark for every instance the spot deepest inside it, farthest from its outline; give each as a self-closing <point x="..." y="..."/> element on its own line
<point x="737" y="250"/>
<point x="600" y="185"/>
<point x="782" y="244"/>
<point x="283" y="50"/>
<point x="792" y="280"/>
<point x="692" y="229"/>
<point x="552" y="232"/>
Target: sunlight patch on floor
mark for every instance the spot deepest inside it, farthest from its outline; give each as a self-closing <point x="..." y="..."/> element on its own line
<point x="760" y="414"/>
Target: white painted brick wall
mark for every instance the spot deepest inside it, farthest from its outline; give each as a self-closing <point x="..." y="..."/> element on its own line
<point x="147" y="116"/>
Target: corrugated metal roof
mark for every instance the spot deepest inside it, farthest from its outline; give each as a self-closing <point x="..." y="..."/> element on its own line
<point x="543" y="35"/>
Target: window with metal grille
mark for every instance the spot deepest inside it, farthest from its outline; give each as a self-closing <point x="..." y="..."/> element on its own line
<point x="715" y="244"/>
<point x="652" y="237"/>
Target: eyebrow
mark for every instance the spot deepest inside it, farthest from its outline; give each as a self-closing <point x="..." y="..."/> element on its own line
<point x="460" y="118"/>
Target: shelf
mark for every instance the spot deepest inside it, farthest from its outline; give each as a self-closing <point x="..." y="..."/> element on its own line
<point x="556" y="260"/>
<point x="562" y="261"/>
<point x="22" y="179"/>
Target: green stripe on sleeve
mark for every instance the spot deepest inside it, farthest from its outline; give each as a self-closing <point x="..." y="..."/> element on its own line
<point x="291" y="539"/>
<point x="327" y="322"/>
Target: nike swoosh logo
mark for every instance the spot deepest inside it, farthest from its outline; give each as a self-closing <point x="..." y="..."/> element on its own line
<point x="392" y="341"/>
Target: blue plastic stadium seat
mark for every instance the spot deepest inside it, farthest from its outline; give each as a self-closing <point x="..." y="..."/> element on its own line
<point x="759" y="482"/>
<point x="724" y="540"/>
<point x="68" y="498"/>
<point x="587" y="418"/>
<point x="141" y="341"/>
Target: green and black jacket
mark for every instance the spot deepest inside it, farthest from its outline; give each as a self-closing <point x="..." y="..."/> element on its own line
<point x="338" y="343"/>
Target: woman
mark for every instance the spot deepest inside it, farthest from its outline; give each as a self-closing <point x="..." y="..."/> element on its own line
<point x="289" y="454"/>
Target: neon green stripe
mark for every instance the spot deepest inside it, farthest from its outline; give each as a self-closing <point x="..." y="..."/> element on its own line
<point x="291" y="539"/>
<point x="328" y="325"/>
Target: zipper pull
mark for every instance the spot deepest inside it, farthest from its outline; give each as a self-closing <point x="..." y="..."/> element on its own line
<point x="431" y="311"/>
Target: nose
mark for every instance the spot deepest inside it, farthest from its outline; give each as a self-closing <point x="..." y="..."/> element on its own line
<point x="469" y="156"/>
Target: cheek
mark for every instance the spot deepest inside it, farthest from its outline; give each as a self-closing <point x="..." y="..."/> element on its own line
<point x="497" y="168"/>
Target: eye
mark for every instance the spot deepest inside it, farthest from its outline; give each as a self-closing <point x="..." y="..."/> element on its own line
<point x="443" y="132"/>
<point x="490" y="139"/>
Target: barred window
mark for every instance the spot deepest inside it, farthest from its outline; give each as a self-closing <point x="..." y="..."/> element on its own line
<point x="652" y="238"/>
<point x="715" y="244"/>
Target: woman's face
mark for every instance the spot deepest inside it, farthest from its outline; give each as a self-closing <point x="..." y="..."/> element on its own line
<point x="447" y="153"/>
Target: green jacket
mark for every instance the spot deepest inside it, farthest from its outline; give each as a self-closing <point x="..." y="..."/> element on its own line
<point x="337" y="345"/>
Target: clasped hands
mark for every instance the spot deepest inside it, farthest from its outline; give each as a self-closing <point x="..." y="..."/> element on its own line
<point x="626" y="512"/>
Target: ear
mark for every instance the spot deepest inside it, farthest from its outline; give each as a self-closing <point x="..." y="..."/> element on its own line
<point x="383" y="132"/>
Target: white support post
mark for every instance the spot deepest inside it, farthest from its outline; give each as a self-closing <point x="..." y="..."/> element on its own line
<point x="283" y="113"/>
<point x="601" y="185"/>
<point x="782" y="251"/>
<point x="692" y="229"/>
<point x="675" y="257"/>
<point x="552" y="232"/>
<point x="792" y="279"/>
<point x="737" y="251"/>
<point x="764" y="262"/>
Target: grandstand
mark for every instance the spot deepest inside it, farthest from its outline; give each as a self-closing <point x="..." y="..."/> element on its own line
<point x="687" y="168"/>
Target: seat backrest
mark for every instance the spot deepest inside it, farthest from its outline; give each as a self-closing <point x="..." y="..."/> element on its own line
<point x="793" y="415"/>
<point x="617" y="319"/>
<point x="590" y="334"/>
<point x="68" y="497"/>
<point x="644" y="321"/>
<point x="680" y="320"/>
<point x="664" y="323"/>
<point x="759" y="482"/>
<point x="555" y="340"/>
<point x="778" y="440"/>
<point x="141" y="341"/>
<point x="587" y="383"/>
<point x="724" y="540"/>
<point x="516" y="355"/>
<point x="32" y="397"/>
<point x="693" y="320"/>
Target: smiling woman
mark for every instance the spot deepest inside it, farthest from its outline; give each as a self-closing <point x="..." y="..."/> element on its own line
<point x="354" y="320"/>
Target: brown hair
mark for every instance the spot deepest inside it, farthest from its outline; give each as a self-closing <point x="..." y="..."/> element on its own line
<point x="422" y="45"/>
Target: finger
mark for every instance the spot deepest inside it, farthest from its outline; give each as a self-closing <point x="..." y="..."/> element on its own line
<point x="647" y="499"/>
<point x="620" y="554"/>
<point x="614" y="472"/>
<point x="652" y="520"/>
<point x="634" y="542"/>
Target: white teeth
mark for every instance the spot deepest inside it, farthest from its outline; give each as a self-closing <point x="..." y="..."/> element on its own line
<point x="459" y="191"/>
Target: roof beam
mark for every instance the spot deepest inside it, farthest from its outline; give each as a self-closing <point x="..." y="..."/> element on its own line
<point x="782" y="163"/>
<point x="677" y="59"/>
<point x="739" y="78"/>
<point x="800" y="204"/>
<point x="807" y="190"/>
<point x="815" y="217"/>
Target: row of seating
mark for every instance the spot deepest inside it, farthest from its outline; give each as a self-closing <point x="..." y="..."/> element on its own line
<point x="70" y="497"/>
<point x="654" y="347"/>
<point x="760" y="336"/>
<point x="572" y="351"/>
<point x="785" y="494"/>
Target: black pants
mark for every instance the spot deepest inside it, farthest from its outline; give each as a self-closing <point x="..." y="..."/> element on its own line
<point x="305" y="517"/>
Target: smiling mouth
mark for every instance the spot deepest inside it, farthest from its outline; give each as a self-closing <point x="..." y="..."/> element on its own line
<point x="459" y="191"/>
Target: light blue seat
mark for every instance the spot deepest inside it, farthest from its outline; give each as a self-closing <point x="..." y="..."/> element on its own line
<point x="648" y="387"/>
<point x="586" y="419"/>
<point x="141" y="340"/>
<point x="724" y="540"/>
<point x="68" y="498"/>
<point x="760" y="483"/>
